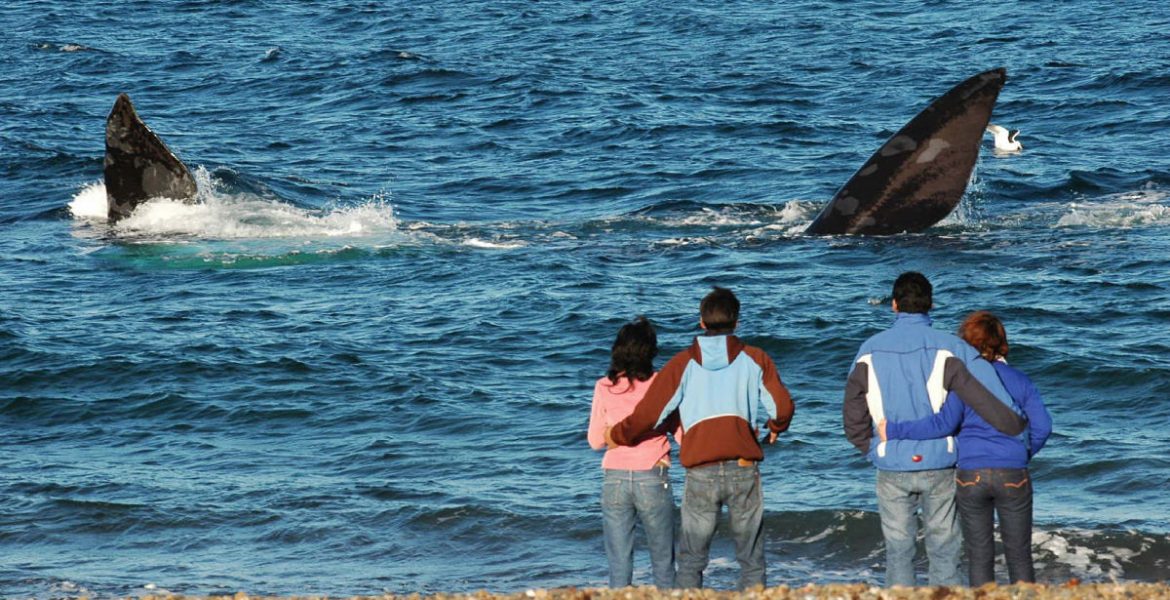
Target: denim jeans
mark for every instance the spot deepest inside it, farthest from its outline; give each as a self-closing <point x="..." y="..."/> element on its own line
<point x="900" y="495"/>
<point x="708" y="489"/>
<point x="625" y="496"/>
<point x="1008" y="492"/>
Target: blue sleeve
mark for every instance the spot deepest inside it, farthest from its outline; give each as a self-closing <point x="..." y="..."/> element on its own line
<point x="941" y="424"/>
<point x="1039" y="421"/>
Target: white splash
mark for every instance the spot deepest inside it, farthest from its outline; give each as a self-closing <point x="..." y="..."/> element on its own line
<point x="90" y="203"/>
<point x="1122" y="211"/>
<point x="750" y="223"/>
<point x="816" y="537"/>
<point x="797" y="212"/>
<point x="686" y="241"/>
<point x="733" y="216"/>
<point x="791" y="220"/>
<point x="1084" y="561"/>
<point x="224" y="216"/>
<point x="244" y="218"/>
<point x="965" y="213"/>
<point x="508" y="245"/>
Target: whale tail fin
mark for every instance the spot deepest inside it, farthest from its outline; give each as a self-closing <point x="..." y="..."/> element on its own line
<point x="919" y="175"/>
<point x="138" y="165"/>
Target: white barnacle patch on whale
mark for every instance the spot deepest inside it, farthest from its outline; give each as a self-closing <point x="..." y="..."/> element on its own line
<point x="899" y="144"/>
<point x="933" y="147"/>
<point x="848" y="205"/>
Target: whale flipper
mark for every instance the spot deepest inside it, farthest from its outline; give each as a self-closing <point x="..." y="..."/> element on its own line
<point x="138" y="165"/>
<point x="919" y="175"/>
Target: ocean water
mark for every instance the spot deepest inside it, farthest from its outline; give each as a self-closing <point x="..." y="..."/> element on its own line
<point x="362" y="363"/>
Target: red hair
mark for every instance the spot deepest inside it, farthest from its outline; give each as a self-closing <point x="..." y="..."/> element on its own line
<point x="985" y="331"/>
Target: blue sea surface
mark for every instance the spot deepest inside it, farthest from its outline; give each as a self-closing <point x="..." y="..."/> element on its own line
<point x="363" y="362"/>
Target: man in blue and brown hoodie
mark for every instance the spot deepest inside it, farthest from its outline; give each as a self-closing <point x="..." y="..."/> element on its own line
<point x="718" y="386"/>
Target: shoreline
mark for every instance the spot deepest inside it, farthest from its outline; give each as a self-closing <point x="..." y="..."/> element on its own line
<point x="1071" y="590"/>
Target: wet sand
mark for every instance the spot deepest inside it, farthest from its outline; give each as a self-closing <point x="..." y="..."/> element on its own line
<point x="1067" y="591"/>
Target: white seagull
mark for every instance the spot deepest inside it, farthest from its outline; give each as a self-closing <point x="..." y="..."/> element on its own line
<point x="1005" y="139"/>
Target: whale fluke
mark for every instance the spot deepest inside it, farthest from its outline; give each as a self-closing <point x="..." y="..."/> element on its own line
<point x="919" y="175"/>
<point x="138" y="165"/>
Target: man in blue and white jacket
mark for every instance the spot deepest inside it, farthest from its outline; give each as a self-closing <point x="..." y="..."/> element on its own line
<point x="904" y="374"/>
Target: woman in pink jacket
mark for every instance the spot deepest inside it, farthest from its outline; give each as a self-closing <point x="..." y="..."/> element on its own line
<point x="636" y="484"/>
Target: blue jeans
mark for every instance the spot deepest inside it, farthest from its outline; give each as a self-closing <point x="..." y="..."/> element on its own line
<point x="625" y="496"/>
<point x="981" y="492"/>
<point x="900" y="495"/>
<point x="708" y="489"/>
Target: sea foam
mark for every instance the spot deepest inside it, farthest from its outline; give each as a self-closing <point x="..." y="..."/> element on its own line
<point x="1122" y="211"/>
<point x="226" y="216"/>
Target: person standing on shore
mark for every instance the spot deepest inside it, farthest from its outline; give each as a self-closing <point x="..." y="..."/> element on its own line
<point x="717" y="386"/>
<point x="992" y="475"/>
<point x="903" y="374"/>
<point x="636" y="480"/>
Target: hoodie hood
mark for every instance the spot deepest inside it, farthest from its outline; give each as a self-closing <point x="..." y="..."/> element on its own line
<point x="715" y="352"/>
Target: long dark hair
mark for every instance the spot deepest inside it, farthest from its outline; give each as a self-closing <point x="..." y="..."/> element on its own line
<point x="633" y="352"/>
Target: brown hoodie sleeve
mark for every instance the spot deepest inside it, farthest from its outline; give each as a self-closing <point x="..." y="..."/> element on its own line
<point x="646" y="415"/>
<point x="780" y="395"/>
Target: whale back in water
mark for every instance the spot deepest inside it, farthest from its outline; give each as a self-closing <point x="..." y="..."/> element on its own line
<point x="919" y="175"/>
<point x="138" y="165"/>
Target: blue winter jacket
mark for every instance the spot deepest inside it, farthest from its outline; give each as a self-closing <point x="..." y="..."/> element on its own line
<point x="981" y="445"/>
<point x="904" y="374"/>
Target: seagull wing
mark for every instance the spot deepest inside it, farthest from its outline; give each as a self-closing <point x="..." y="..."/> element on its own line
<point x="996" y="130"/>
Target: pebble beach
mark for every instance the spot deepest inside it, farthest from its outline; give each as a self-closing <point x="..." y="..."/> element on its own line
<point x="1071" y="590"/>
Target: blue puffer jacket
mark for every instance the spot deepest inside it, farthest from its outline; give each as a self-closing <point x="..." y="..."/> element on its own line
<point x="910" y="368"/>
<point x="981" y="446"/>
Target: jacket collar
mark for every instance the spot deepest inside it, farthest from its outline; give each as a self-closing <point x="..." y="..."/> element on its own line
<point x="912" y="319"/>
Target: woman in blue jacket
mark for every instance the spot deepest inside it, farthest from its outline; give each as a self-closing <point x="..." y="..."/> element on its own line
<point x="992" y="475"/>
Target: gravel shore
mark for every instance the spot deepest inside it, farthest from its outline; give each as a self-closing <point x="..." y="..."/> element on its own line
<point x="1067" y="591"/>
